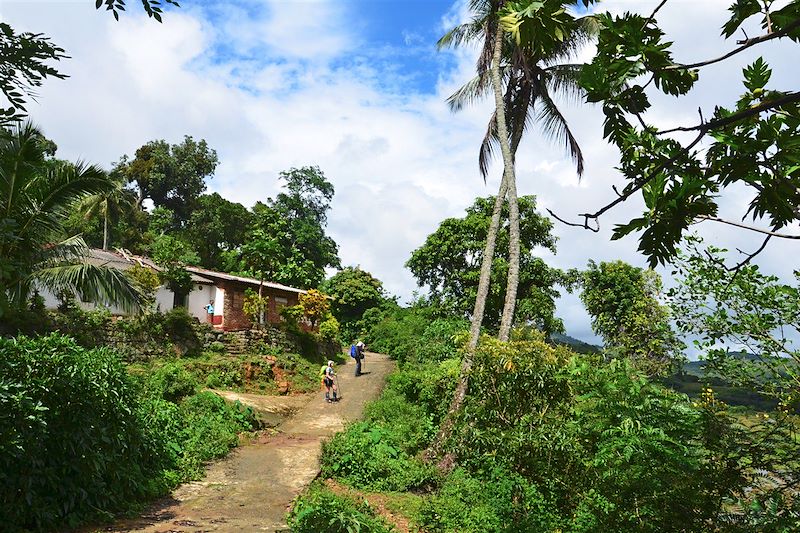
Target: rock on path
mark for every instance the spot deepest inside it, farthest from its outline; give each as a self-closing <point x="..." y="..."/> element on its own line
<point x="252" y="488"/>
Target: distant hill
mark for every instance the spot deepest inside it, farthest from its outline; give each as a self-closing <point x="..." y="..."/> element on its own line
<point x="576" y="344"/>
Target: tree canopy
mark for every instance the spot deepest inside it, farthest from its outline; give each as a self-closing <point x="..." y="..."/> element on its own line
<point x="354" y="291"/>
<point x="448" y="265"/>
<point x="172" y="176"/>
<point x="623" y="303"/>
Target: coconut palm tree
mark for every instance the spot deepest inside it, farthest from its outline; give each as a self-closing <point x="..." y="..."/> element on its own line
<point x="35" y="197"/>
<point x="530" y="70"/>
<point x="110" y="205"/>
<point x="531" y="74"/>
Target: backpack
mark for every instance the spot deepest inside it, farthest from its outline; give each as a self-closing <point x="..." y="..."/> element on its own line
<point x="322" y="372"/>
<point x="353" y="351"/>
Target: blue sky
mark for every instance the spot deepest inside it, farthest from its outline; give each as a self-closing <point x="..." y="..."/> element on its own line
<point x="358" y="88"/>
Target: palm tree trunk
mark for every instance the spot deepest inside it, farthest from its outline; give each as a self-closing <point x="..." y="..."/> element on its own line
<point x="511" y="182"/>
<point x="434" y="452"/>
<point x="105" y="229"/>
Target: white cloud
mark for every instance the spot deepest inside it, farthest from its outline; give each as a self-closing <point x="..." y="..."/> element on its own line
<point x="265" y="83"/>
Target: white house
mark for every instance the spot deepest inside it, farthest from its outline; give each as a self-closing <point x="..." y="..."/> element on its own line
<point x="225" y="292"/>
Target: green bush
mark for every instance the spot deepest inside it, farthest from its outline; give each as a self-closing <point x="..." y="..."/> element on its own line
<point x="596" y="437"/>
<point x="71" y="445"/>
<point x="370" y="456"/>
<point x="493" y="501"/>
<point x="441" y="340"/>
<point x="322" y="511"/>
<point x="210" y="428"/>
<point x="329" y="329"/>
<point x="172" y="382"/>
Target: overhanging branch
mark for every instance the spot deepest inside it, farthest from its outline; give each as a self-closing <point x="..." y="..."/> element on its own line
<point x="751" y="228"/>
<point x="789" y="98"/>
<point x="745" y="44"/>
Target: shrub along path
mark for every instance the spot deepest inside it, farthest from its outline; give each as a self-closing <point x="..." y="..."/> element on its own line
<point x="252" y="488"/>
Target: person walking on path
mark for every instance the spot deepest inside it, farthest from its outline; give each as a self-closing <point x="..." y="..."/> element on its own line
<point x="328" y="377"/>
<point x="360" y="347"/>
<point x="357" y="353"/>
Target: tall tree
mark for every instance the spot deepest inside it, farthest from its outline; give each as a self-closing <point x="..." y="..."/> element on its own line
<point x="449" y="262"/>
<point x="559" y="35"/>
<point x="35" y="196"/>
<point x="264" y="251"/>
<point x="530" y="75"/>
<point x="216" y="229"/>
<point x="304" y="206"/>
<point x="172" y="176"/>
<point x="623" y="302"/>
<point x="354" y="292"/>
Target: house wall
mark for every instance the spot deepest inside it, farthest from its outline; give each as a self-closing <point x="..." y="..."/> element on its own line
<point x="198" y="300"/>
<point x="219" y="301"/>
<point x="234" y="317"/>
<point x="164" y="299"/>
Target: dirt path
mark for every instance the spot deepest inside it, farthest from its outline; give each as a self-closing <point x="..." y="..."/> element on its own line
<point x="252" y="488"/>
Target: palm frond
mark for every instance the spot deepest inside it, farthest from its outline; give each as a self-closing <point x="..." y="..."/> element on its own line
<point x="468" y="93"/>
<point x="462" y="34"/>
<point x="585" y="32"/>
<point x="488" y="147"/>
<point x="554" y="125"/>
<point x="562" y="80"/>
<point x="102" y="285"/>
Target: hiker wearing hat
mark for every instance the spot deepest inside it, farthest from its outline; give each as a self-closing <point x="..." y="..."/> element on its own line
<point x="360" y="347"/>
<point x="328" y="375"/>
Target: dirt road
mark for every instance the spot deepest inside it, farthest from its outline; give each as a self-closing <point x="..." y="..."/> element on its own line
<point x="252" y="488"/>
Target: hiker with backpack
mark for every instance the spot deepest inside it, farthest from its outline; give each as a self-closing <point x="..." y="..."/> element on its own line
<point x="328" y="375"/>
<point x="357" y="353"/>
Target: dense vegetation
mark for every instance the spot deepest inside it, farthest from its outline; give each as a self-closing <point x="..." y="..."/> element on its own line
<point x="82" y="439"/>
<point x="473" y="432"/>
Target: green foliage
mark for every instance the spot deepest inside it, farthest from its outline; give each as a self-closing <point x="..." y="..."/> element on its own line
<point x="413" y="334"/>
<point x="286" y="241"/>
<point x="746" y="308"/>
<point x="623" y="303"/>
<point x="315" y="306"/>
<point x="71" y="445"/>
<point x="329" y="329"/>
<point x="216" y="228"/>
<point x="171" y="382"/>
<point x="322" y="511"/>
<point x="381" y="452"/>
<point x="23" y="67"/>
<point x="255" y="306"/>
<point x="147" y="282"/>
<point x="172" y="176"/>
<point x="592" y="439"/>
<point x="750" y="146"/>
<point x="354" y="291"/>
<point x="151" y="7"/>
<point x="209" y="430"/>
<point x="80" y="439"/>
<point x="494" y="501"/>
<point x="36" y="195"/>
<point x="371" y="456"/>
<point x="449" y="265"/>
<point x="172" y="255"/>
<point x="730" y="310"/>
